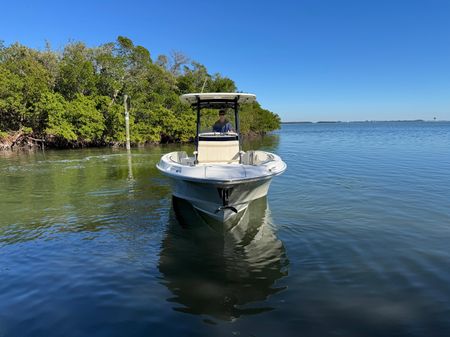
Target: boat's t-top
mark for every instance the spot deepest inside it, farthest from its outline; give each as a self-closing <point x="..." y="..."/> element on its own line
<point x="218" y="147"/>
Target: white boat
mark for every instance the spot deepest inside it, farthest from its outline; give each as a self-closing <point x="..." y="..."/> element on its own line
<point x="220" y="179"/>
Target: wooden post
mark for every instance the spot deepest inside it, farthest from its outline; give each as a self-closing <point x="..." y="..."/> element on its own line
<point x="127" y="121"/>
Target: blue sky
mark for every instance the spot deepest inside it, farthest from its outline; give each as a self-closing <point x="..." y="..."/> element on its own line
<point x="305" y="59"/>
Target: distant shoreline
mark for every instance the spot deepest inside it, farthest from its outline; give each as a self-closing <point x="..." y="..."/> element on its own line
<point x="374" y="121"/>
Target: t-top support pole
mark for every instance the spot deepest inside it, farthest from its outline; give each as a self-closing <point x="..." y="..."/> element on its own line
<point x="238" y="129"/>
<point x="198" y="129"/>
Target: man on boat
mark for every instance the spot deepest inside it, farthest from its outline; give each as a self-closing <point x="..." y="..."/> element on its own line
<point x="222" y="124"/>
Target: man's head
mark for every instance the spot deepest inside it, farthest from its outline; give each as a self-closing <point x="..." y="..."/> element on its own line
<point x="222" y="115"/>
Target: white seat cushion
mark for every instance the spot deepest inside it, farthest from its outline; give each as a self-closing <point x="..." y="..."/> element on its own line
<point x="218" y="151"/>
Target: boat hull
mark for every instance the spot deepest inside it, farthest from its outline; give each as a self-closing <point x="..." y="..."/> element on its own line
<point x="208" y="197"/>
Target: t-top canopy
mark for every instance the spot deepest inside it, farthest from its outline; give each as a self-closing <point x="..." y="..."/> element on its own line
<point x="218" y="97"/>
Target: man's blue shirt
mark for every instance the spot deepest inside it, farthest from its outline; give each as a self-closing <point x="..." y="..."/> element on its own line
<point x="219" y="127"/>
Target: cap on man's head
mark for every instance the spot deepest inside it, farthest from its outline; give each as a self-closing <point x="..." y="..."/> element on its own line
<point x="222" y="112"/>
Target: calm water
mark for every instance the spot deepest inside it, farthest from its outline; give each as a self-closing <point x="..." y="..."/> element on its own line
<point x="353" y="240"/>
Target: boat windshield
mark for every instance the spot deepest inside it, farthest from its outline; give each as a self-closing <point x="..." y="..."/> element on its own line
<point x="211" y="121"/>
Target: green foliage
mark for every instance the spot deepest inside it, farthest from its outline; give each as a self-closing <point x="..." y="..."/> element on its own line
<point x="76" y="72"/>
<point x="255" y="119"/>
<point x="76" y="97"/>
<point x="12" y="103"/>
<point x="87" y="121"/>
<point x="23" y="79"/>
<point x="53" y="109"/>
<point x="114" y="120"/>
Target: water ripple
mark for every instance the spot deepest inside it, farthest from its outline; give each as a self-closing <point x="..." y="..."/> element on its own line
<point x="352" y="240"/>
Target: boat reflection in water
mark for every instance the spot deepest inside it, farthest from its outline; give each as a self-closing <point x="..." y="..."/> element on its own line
<point x="223" y="272"/>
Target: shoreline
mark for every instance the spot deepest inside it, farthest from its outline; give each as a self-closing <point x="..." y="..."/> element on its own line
<point x="26" y="142"/>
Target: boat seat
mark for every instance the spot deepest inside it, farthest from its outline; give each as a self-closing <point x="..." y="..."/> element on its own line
<point x="218" y="151"/>
<point x="179" y="156"/>
<point x="256" y="158"/>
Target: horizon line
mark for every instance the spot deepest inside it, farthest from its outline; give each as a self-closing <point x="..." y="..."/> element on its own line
<point x="365" y="121"/>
